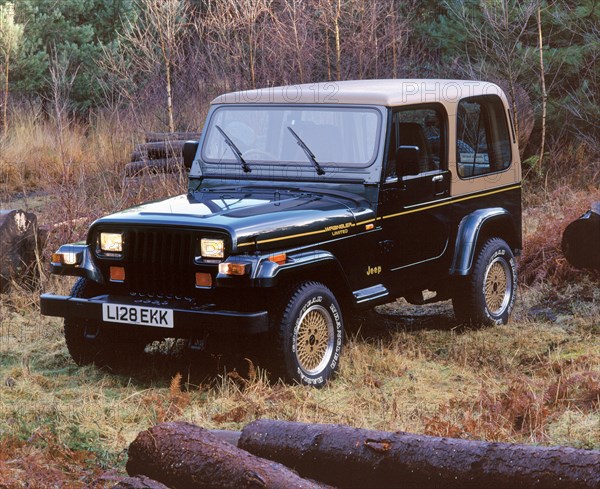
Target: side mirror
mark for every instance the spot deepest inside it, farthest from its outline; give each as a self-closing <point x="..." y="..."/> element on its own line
<point x="189" y="153"/>
<point x="408" y="160"/>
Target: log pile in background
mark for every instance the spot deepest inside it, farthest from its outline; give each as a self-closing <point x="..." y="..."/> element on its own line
<point x="21" y="242"/>
<point x="161" y="153"/>
<point x="581" y="240"/>
<point x="182" y="455"/>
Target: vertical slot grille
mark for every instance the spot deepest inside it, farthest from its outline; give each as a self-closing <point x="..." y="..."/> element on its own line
<point x="161" y="263"/>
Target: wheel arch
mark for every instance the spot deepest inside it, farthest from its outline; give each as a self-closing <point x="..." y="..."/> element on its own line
<point x="475" y="229"/>
<point x="321" y="266"/>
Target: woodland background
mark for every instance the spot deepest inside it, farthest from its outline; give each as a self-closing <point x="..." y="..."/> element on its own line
<point x="158" y="62"/>
<point x="83" y="80"/>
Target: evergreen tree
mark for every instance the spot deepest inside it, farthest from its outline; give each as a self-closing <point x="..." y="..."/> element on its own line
<point x="71" y="30"/>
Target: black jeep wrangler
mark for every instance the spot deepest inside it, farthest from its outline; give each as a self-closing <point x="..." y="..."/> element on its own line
<point x="304" y="204"/>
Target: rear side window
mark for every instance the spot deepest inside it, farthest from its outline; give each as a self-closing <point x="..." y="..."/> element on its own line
<point x="482" y="137"/>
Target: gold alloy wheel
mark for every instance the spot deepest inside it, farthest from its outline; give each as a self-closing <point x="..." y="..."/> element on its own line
<point x="314" y="339"/>
<point x="497" y="286"/>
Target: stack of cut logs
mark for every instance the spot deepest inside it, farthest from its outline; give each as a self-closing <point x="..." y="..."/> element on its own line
<point x="161" y="153"/>
<point x="283" y="454"/>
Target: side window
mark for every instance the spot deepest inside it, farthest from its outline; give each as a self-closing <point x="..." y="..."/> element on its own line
<point x="482" y="137"/>
<point x="421" y="127"/>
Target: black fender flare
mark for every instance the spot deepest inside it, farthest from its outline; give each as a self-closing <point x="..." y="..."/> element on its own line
<point x="268" y="273"/>
<point x="468" y="233"/>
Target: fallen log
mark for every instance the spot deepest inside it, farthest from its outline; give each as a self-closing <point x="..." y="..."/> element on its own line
<point x="20" y="245"/>
<point x="138" y="155"/>
<point x="154" y="137"/>
<point x="171" y="165"/>
<point x="354" y="458"/>
<point x="182" y="455"/>
<point x="139" y="482"/>
<point x="581" y="240"/>
<point x="154" y="151"/>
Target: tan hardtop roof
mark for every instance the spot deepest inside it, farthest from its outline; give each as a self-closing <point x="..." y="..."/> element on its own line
<point x="391" y="92"/>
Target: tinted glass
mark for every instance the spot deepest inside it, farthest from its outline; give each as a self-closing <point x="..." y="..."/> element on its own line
<point x="421" y="127"/>
<point x="335" y="135"/>
<point x="482" y="137"/>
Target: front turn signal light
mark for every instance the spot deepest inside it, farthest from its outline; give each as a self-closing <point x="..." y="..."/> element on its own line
<point x="232" y="268"/>
<point x="280" y="258"/>
<point x="66" y="258"/>
<point x="203" y="279"/>
<point x="117" y="274"/>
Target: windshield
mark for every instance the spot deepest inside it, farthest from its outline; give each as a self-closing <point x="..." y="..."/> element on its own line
<point x="339" y="136"/>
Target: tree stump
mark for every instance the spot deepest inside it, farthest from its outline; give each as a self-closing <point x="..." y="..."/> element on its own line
<point x="20" y="245"/>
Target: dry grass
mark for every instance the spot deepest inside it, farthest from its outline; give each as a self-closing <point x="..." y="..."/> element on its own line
<point x="542" y="259"/>
<point x="536" y="380"/>
<point x="533" y="381"/>
<point x="37" y="154"/>
<point x="72" y="171"/>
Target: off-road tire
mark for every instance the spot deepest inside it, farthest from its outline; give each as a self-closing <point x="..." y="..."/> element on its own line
<point x="309" y="331"/>
<point x="88" y="343"/>
<point x="487" y="295"/>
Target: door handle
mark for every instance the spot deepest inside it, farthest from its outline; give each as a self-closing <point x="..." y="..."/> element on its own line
<point x="437" y="178"/>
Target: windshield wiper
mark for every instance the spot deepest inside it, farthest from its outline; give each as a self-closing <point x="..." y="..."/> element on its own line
<point x="235" y="149"/>
<point x="308" y="152"/>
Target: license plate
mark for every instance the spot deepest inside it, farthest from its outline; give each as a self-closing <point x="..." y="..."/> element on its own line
<point x="142" y="316"/>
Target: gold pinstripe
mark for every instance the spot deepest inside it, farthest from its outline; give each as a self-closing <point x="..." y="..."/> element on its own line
<point x="270" y="240"/>
<point x="450" y="201"/>
<point x="411" y="211"/>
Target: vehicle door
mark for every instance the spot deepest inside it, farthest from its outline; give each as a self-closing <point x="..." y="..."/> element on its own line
<point x="412" y="215"/>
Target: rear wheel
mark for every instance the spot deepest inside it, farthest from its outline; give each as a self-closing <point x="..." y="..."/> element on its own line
<point x="310" y="332"/>
<point x="487" y="295"/>
<point x="89" y="343"/>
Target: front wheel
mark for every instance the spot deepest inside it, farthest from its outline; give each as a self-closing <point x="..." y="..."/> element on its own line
<point x="487" y="296"/>
<point x="310" y="332"/>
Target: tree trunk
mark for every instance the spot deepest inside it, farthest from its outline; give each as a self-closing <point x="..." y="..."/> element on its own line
<point x="170" y="98"/>
<point x="5" y="105"/>
<point x="251" y="59"/>
<point x="349" y="457"/>
<point x="182" y="455"/>
<point x="581" y="240"/>
<point x="327" y="54"/>
<point x="20" y="245"/>
<point x="543" y="86"/>
<point x="299" y="63"/>
<point x="166" y="59"/>
<point x="338" y="51"/>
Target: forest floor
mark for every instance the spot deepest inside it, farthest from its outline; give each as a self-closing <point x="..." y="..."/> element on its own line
<point x="535" y="380"/>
